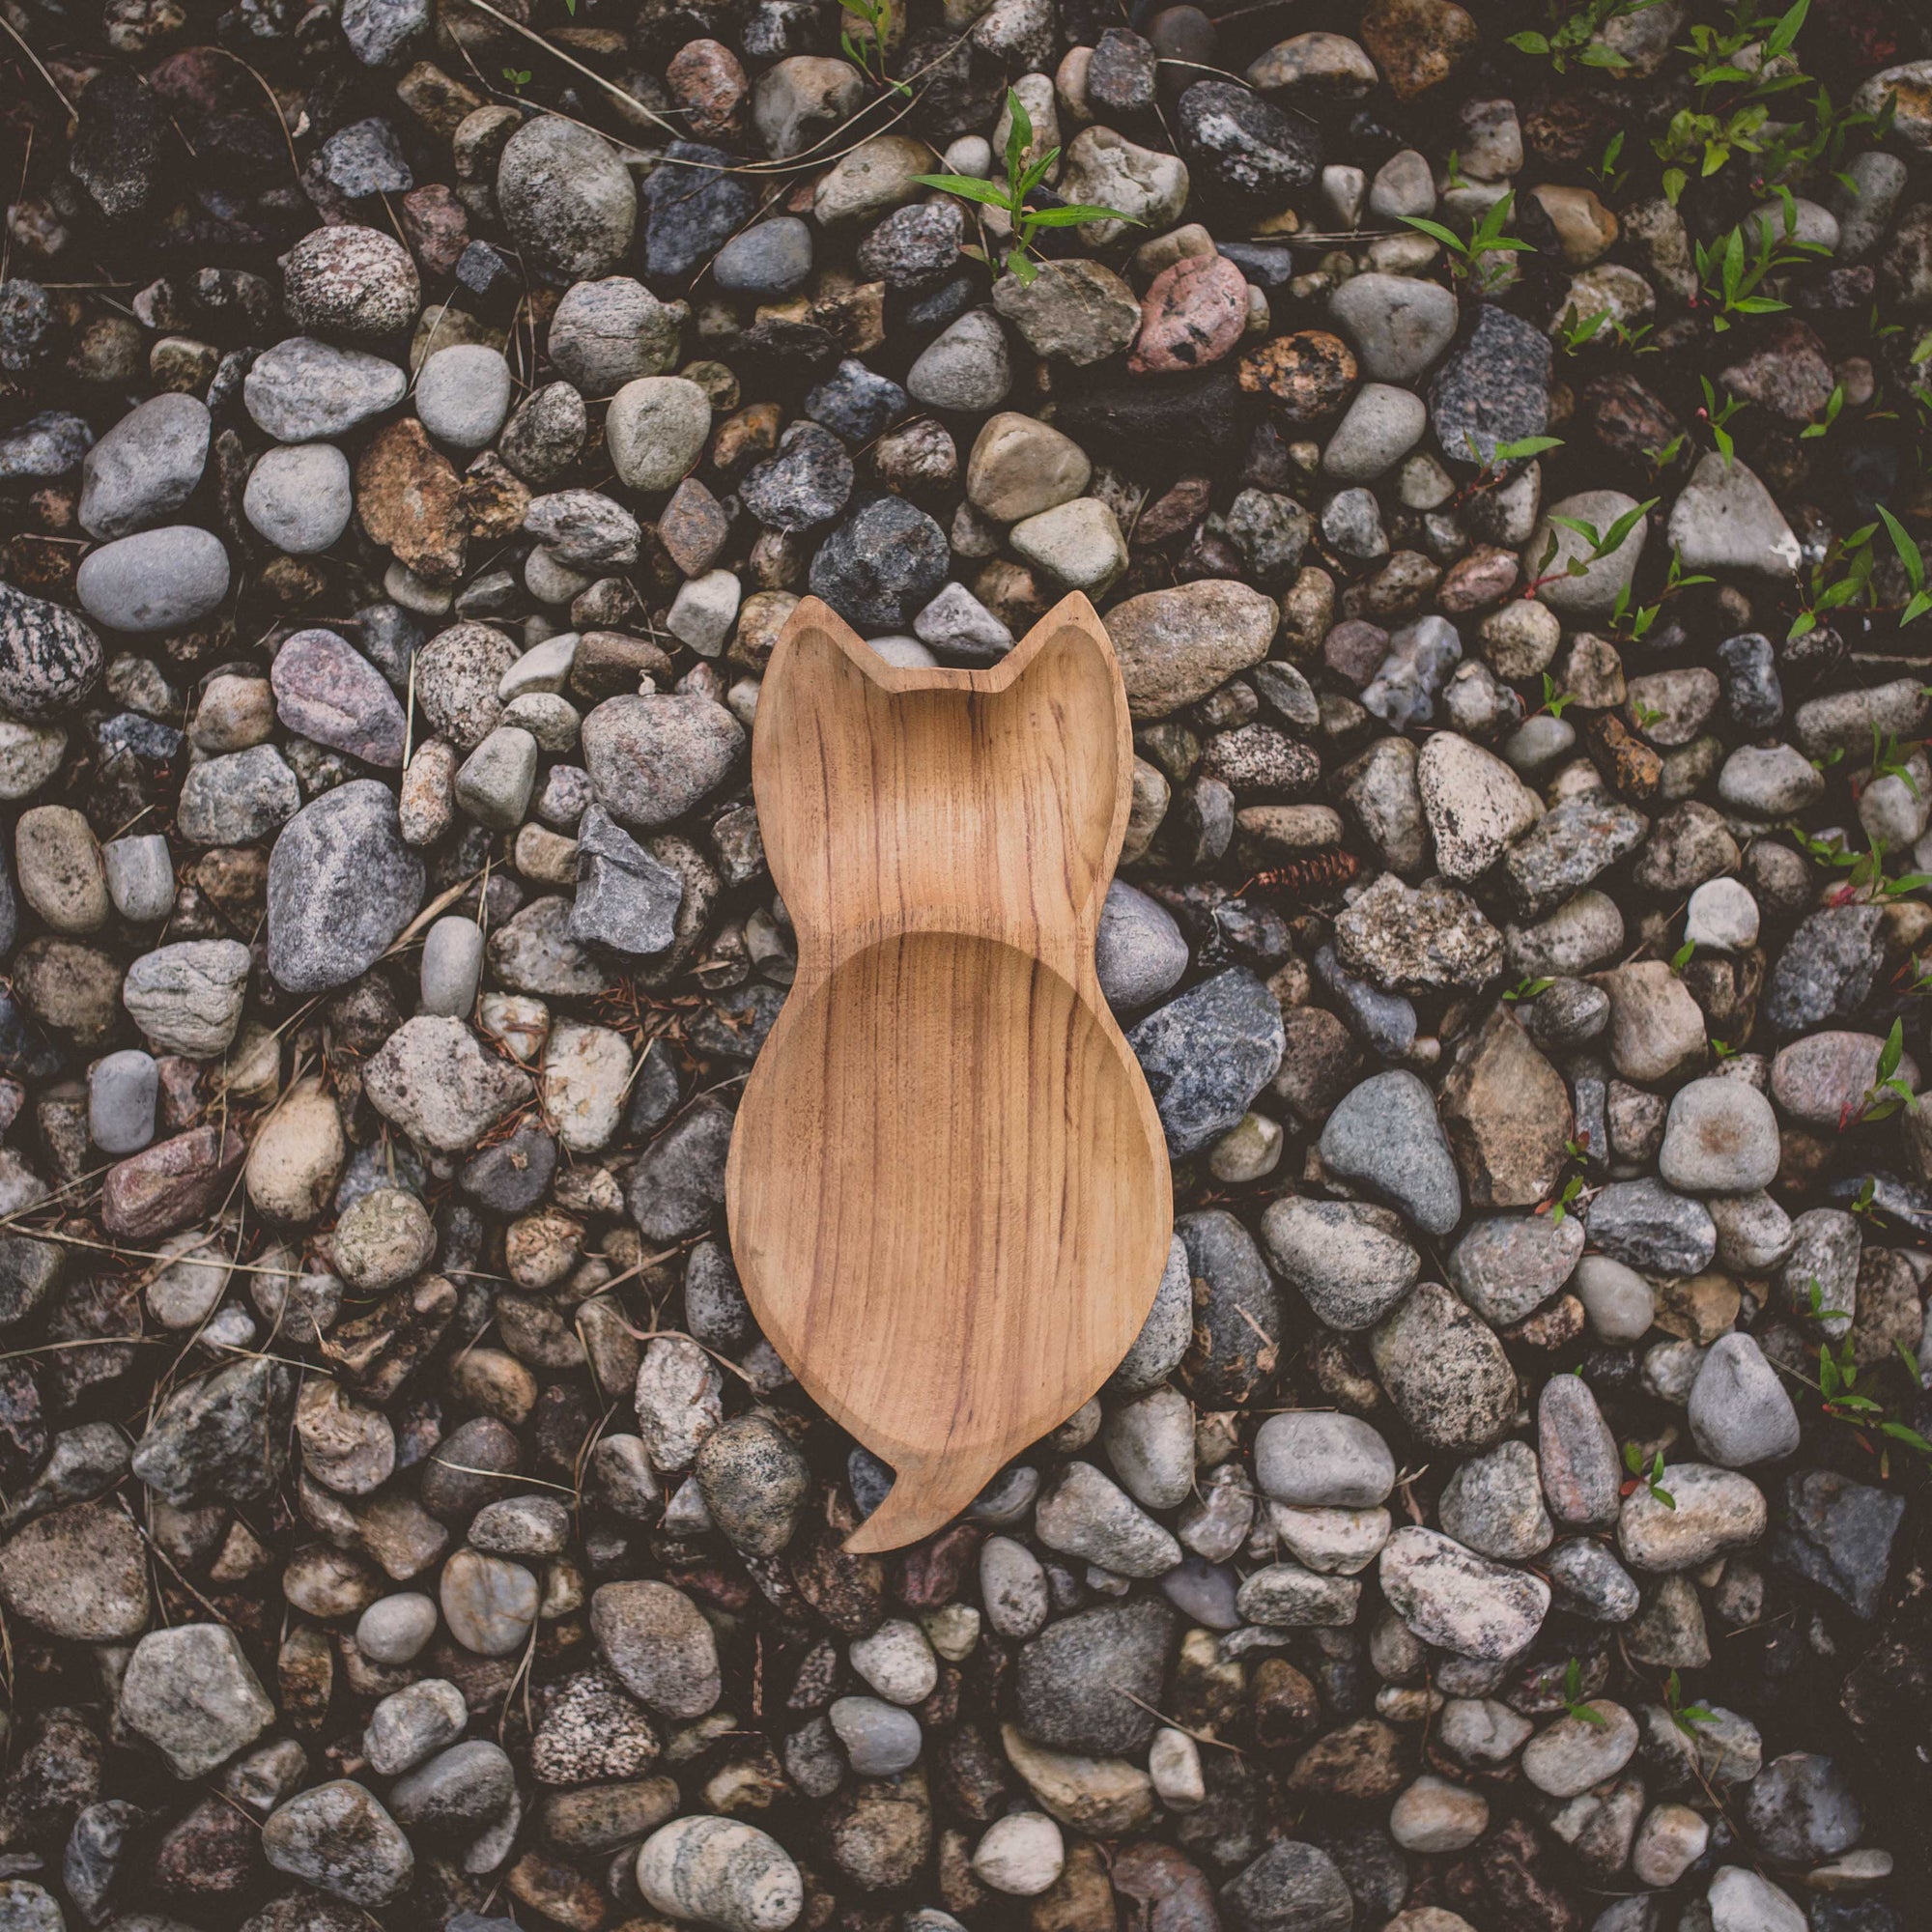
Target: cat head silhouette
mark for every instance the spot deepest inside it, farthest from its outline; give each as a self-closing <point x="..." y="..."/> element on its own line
<point x="879" y="786"/>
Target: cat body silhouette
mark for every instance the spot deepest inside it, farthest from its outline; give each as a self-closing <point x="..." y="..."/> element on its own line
<point x="948" y="1187"/>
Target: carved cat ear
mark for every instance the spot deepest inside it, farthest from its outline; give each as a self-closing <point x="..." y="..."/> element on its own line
<point x="919" y="764"/>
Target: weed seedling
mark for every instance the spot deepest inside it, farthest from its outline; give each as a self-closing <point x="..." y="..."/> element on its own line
<point x="1011" y="198"/>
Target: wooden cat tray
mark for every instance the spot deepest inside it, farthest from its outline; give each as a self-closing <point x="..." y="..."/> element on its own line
<point x="948" y="1187"/>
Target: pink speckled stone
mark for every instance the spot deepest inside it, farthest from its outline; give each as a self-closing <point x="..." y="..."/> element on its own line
<point x="1192" y="315"/>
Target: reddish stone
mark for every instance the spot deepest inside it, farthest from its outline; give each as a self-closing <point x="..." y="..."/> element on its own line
<point x="931" y="1573"/>
<point x="409" y="496"/>
<point x="1307" y="375"/>
<point x="210" y="1854"/>
<point x="1174" y="1891"/>
<point x="1418" y="44"/>
<point x="169" y="1184"/>
<point x="1355" y="650"/>
<point x="1192" y="315"/>
<point x="694" y="527"/>
<point x="707" y="83"/>
<point x="437" y="227"/>
<point x="1177" y="512"/>
<point x="1485" y="577"/>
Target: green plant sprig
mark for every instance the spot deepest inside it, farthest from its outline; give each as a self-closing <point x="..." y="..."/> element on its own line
<point x="1023" y="177"/>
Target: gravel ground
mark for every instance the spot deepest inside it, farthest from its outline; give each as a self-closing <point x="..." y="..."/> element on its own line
<point x="1494" y="439"/>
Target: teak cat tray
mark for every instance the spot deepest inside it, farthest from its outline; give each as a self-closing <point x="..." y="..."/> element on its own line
<point x="948" y="1187"/>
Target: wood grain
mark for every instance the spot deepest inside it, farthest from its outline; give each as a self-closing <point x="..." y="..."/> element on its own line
<point x="948" y="1187"/>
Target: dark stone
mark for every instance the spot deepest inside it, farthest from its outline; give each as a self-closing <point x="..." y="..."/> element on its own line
<point x="121" y="144"/>
<point x="914" y="246"/>
<point x="1290" y="1888"/>
<point x="1155" y="428"/>
<point x="1828" y="968"/>
<point x="855" y="402"/>
<point x="882" y="565"/>
<point x="1092" y="1683"/>
<point x="514" y="1175"/>
<point x="807" y="482"/>
<point x="1206" y="1055"/>
<point x="678" y="1183"/>
<point x="341" y="886"/>
<point x="625" y="898"/>
<point x="1493" y="388"/>
<point x="1839" y="1534"/>
<point x="1748" y="666"/>
<point x="693" y="203"/>
<point x="223" y="1438"/>
<point x="1120" y="76"/>
<point x="1255" y="154"/>
<point x="1237" y="1323"/>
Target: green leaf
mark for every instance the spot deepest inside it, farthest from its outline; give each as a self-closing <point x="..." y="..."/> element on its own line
<point x="1577" y="527"/>
<point x="1613" y="537"/>
<point x="1785" y="33"/>
<point x="1073" y="216"/>
<point x="1892" y="1052"/>
<point x="1907" y="548"/>
<point x="1528" y="446"/>
<point x="1021" y="268"/>
<point x="1529" y="44"/>
<point x="1020" y="135"/>
<point x="1435" y="231"/>
<point x="1038" y="172"/>
<point x="968" y="187"/>
<point x="1596" y="55"/>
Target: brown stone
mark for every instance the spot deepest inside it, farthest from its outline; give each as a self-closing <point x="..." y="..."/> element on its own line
<point x="1507" y="1114"/>
<point x="1307" y="376"/>
<point x="694" y="527"/>
<point x="878" y="1832"/>
<point x="707" y="81"/>
<point x="1418" y="44"/>
<point x="70" y="986"/>
<point x="376" y="1353"/>
<point x="211" y="1854"/>
<point x="305" y="1676"/>
<point x="1287" y="1707"/>
<point x="1635" y="771"/>
<point x="408" y="497"/>
<point x="747" y="437"/>
<point x="1174" y="1892"/>
<point x="493" y="499"/>
<point x="609" y="664"/>
<point x="1081" y="1899"/>
<point x="558" y="1893"/>
<point x="1365" y="1760"/>
<point x="1698" y="1308"/>
<point x="233" y="879"/>
<point x="1554" y="1326"/>
<point x="170" y="1183"/>
<point x="79" y="1574"/>
<point x="435" y="225"/>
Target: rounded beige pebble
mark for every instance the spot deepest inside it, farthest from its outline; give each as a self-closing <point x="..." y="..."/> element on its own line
<point x="297" y="1154"/>
<point x="1020" y="1855"/>
<point x="489" y="1603"/>
<point x="721" y="1873"/>
<point x="1669" y="1841"/>
<point x="1435" y="1815"/>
